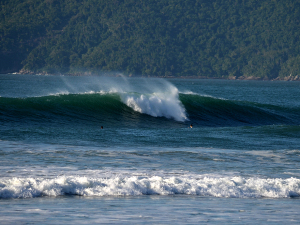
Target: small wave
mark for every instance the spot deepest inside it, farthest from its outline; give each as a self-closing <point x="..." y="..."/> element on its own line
<point x="229" y="187"/>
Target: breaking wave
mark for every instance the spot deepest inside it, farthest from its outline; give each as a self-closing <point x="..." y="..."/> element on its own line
<point x="148" y="102"/>
<point x="229" y="187"/>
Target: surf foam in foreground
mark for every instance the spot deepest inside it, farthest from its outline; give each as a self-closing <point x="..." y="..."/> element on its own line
<point x="232" y="187"/>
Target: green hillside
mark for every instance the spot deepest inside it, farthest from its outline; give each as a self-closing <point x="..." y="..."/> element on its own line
<point x="216" y="38"/>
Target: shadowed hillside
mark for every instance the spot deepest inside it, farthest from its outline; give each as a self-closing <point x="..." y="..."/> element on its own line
<point x="217" y="38"/>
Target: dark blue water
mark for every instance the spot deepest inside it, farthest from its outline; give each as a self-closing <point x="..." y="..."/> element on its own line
<point x="239" y="162"/>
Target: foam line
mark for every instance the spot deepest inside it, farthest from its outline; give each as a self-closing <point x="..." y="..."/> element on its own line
<point x="230" y="187"/>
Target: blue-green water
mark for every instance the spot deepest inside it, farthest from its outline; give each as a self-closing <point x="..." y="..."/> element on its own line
<point x="239" y="162"/>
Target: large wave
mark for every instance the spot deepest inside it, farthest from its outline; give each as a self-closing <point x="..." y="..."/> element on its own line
<point x="132" y="185"/>
<point x="146" y="100"/>
<point x="155" y="98"/>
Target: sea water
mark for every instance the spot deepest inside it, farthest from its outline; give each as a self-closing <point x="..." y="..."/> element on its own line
<point x="238" y="164"/>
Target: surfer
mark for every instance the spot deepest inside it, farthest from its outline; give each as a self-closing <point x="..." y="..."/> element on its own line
<point x="191" y="126"/>
<point x="101" y="127"/>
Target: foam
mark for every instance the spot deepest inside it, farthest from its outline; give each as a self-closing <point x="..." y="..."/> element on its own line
<point x="158" y="104"/>
<point x="133" y="185"/>
<point x="189" y="93"/>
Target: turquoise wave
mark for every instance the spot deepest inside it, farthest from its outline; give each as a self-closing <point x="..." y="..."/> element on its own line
<point x="111" y="107"/>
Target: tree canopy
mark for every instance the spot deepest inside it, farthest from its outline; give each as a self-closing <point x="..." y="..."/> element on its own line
<point x="216" y="38"/>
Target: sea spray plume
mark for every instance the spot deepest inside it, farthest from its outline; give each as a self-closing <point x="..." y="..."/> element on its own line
<point x="157" y="98"/>
<point x="95" y="84"/>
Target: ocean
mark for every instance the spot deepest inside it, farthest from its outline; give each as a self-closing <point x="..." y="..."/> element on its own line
<point x="97" y="149"/>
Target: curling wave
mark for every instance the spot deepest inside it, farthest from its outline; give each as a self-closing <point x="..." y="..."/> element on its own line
<point x="129" y="107"/>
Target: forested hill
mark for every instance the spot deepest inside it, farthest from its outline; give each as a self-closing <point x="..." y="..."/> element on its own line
<point x="205" y="38"/>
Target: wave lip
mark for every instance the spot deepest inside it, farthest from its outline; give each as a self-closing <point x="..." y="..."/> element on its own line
<point x="229" y="187"/>
<point x="157" y="104"/>
<point x="125" y="101"/>
<point x="157" y="98"/>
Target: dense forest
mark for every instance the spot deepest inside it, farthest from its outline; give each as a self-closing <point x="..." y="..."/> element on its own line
<point x="258" y="39"/>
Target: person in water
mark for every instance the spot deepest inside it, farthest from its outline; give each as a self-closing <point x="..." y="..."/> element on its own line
<point x="191" y="126"/>
<point x="101" y="127"/>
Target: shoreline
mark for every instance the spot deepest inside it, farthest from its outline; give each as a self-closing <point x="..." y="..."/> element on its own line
<point x="116" y="74"/>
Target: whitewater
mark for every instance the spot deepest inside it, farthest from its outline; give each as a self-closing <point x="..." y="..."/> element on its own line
<point x="238" y="164"/>
<point x="235" y="187"/>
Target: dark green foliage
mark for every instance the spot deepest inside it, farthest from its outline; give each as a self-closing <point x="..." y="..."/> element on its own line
<point x="216" y="38"/>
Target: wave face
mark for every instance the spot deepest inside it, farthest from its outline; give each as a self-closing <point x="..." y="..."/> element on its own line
<point x="143" y="103"/>
<point x="129" y="108"/>
<point x="210" y="111"/>
<point x="233" y="187"/>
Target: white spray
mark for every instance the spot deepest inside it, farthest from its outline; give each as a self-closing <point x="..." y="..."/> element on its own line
<point x="155" y="97"/>
<point x="161" y="103"/>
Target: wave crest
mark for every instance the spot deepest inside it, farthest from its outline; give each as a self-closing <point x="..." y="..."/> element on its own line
<point x="157" y="104"/>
